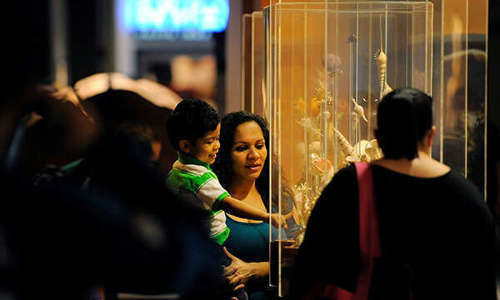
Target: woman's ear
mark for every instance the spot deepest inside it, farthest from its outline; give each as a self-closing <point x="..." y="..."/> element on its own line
<point x="185" y="146"/>
<point x="430" y="136"/>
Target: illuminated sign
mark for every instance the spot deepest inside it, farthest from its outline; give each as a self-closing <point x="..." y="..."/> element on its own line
<point x="176" y="15"/>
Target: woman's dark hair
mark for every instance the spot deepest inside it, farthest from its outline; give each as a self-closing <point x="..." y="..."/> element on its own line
<point x="191" y="120"/>
<point x="223" y="164"/>
<point x="404" y="116"/>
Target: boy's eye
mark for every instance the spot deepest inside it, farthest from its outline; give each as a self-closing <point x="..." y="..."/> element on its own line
<point x="211" y="140"/>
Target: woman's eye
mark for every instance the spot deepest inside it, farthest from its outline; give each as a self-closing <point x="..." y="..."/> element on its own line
<point x="241" y="148"/>
<point x="259" y="146"/>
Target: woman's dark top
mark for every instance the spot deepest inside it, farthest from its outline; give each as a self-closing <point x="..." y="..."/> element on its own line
<point x="250" y="242"/>
<point x="438" y="228"/>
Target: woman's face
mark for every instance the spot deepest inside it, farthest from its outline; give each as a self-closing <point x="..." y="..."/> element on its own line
<point x="249" y="152"/>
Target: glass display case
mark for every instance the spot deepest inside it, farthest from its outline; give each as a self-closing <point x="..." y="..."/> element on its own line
<point x="253" y="55"/>
<point x="326" y="66"/>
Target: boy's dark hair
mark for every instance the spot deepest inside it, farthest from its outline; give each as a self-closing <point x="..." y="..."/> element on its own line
<point x="404" y="116"/>
<point x="191" y="120"/>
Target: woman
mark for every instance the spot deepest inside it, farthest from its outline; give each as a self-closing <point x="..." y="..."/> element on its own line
<point x="436" y="234"/>
<point x="242" y="168"/>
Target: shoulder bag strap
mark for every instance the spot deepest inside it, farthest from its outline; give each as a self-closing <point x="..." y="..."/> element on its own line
<point x="368" y="229"/>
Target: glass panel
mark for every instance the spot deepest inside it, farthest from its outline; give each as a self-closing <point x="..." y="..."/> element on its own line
<point x="477" y="25"/>
<point x="330" y="65"/>
<point x="464" y="60"/>
<point x="253" y="55"/>
<point x="246" y="62"/>
<point x="258" y="105"/>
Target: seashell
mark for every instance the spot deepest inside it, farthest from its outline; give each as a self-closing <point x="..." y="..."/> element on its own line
<point x="358" y="109"/>
<point x="381" y="62"/>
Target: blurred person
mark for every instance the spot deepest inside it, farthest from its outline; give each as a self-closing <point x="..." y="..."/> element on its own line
<point x="149" y="105"/>
<point x="50" y="128"/>
<point x="118" y="148"/>
<point x="60" y="240"/>
<point x="144" y="135"/>
<point x="64" y="243"/>
<point x="243" y="169"/>
<point x="436" y="233"/>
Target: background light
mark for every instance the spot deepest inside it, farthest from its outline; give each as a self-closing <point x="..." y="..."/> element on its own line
<point x="176" y="15"/>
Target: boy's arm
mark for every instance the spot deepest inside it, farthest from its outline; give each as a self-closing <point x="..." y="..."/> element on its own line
<point x="213" y="190"/>
<point x="243" y="210"/>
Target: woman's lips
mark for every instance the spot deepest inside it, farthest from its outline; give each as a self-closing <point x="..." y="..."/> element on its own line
<point x="253" y="168"/>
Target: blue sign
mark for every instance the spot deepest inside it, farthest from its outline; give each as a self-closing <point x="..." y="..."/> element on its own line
<point x="176" y="15"/>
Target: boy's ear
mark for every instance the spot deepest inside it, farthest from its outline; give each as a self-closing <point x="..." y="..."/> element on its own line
<point x="185" y="146"/>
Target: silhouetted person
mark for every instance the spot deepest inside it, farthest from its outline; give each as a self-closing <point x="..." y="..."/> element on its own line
<point x="436" y="233"/>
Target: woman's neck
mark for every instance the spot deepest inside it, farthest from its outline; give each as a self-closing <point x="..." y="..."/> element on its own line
<point x="246" y="191"/>
<point x="240" y="188"/>
<point x="422" y="166"/>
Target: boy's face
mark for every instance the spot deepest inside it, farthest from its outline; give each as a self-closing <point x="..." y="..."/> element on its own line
<point x="206" y="148"/>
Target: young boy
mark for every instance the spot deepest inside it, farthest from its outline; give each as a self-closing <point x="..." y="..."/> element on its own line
<point x="194" y="129"/>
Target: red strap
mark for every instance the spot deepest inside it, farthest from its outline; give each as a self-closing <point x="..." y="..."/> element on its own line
<point x="368" y="228"/>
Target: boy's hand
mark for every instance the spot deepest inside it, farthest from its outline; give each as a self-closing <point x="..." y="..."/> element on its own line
<point x="279" y="220"/>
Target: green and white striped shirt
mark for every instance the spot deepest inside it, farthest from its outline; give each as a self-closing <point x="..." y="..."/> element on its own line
<point x="190" y="174"/>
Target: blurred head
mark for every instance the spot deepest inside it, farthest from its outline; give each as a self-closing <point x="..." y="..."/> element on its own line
<point x="193" y="128"/>
<point x="404" y="119"/>
<point x="144" y="138"/>
<point x="50" y="126"/>
<point x="123" y="144"/>
<point x="244" y="142"/>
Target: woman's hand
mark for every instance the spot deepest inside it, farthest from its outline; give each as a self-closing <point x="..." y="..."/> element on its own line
<point x="239" y="272"/>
